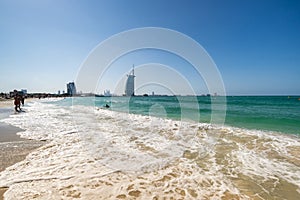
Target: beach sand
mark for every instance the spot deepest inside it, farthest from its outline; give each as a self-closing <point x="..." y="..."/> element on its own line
<point x="9" y="103"/>
<point x="2" y="191"/>
<point x="6" y="103"/>
<point x="13" y="149"/>
<point x="7" y="133"/>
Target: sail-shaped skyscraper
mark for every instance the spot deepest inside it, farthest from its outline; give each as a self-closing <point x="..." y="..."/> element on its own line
<point x="129" y="88"/>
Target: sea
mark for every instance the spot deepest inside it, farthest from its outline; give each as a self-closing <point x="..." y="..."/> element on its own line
<point x="159" y="147"/>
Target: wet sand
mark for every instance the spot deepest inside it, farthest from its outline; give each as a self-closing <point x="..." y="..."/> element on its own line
<point x="13" y="149"/>
<point x="7" y="133"/>
<point x="2" y="191"/>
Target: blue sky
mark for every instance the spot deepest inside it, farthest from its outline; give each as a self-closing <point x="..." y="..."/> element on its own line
<point x="254" y="43"/>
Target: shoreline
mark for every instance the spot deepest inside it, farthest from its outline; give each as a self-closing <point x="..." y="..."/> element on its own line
<point x="81" y="164"/>
<point x="248" y="160"/>
<point x="13" y="148"/>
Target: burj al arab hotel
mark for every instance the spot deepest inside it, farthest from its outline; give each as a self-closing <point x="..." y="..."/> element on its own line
<point x="129" y="89"/>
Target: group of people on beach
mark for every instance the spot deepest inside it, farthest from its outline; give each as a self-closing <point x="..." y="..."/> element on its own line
<point x="18" y="100"/>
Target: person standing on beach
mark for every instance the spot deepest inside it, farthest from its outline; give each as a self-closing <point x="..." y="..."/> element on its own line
<point x="17" y="103"/>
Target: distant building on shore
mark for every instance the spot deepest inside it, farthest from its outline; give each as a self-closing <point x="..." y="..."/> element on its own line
<point x="16" y="92"/>
<point x="71" y="89"/>
<point x="24" y="91"/>
<point x="129" y="88"/>
<point x="107" y="93"/>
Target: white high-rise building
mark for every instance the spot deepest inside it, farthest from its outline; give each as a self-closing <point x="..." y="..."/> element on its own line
<point x="129" y="88"/>
<point x="71" y="89"/>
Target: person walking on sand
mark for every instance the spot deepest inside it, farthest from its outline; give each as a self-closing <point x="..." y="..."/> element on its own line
<point x="17" y="103"/>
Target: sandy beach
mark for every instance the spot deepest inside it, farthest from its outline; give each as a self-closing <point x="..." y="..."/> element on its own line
<point x="13" y="149"/>
<point x="6" y="103"/>
<point x="9" y="103"/>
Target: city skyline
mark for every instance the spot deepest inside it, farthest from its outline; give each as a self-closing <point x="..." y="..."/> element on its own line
<point x="254" y="44"/>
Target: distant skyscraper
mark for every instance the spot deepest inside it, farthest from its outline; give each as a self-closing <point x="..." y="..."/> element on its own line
<point x="71" y="89"/>
<point x="129" y="88"/>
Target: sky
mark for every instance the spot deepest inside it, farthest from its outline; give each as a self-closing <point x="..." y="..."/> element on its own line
<point x="255" y="44"/>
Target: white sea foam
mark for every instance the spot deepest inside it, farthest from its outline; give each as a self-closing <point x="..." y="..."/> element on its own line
<point x="98" y="153"/>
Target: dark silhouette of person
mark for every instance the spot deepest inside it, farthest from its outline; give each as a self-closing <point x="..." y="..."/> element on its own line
<point x="17" y="103"/>
<point x="22" y="100"/>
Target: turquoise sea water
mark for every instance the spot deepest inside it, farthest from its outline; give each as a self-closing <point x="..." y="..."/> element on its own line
<point x="271" y="113"/>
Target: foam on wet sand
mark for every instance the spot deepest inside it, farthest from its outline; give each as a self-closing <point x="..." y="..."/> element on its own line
<point x="13" y="148"/>
<point x="96" y="153"/>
